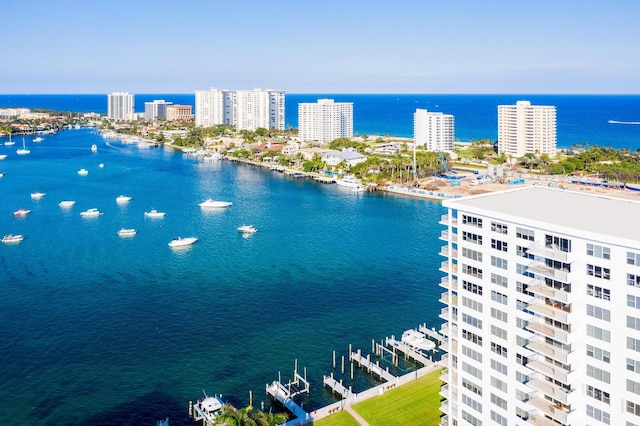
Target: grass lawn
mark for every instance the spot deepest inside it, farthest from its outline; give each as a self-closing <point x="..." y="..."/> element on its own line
<point x="414" y="403"/>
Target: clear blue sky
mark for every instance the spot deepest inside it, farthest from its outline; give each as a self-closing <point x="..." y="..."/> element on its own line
<point x="328" y="46"/>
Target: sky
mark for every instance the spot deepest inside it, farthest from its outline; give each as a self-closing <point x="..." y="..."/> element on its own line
<point x="328" y="46"/>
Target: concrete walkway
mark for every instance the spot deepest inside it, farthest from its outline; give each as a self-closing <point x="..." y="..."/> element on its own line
<point x="355" y="415"/>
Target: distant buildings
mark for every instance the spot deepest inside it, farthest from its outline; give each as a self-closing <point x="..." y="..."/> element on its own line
<point x="179" y="113"/>
<point x="433" y="130"/>
<point x="156" y="109"/>
<point x="325" y="120"/>
<point x="243" y="109"/>
<point x="120" y="106"/>
<point x="524" y="128"/>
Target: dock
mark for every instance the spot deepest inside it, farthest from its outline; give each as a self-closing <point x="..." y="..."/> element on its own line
<point x="408" y="350"/>
<point x="371" y="367"/>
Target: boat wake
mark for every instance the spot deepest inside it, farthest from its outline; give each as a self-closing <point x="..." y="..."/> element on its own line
<point x="623" y="122"/>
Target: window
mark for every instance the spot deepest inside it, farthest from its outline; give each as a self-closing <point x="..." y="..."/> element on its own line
<point x="521" y="359"/>
<point x="472" y="320"/>
<point x="472" y="238"/>
<point x="472" y="304"/>
<point x="469" y="418"/>
<point x="598" y="312"/>
<point x="633" y="344"/>
<point x="599" y="272"/>
<point x="498" y="297"/>
<point x="521" y="305"/>
<point x="495" y="399"/>
<point x="475" y="372"/>
<point x="499" y="315"/>
<point x="499" y="332"/>
<point x="633" y="280"/>
<point x="633" y="301"/>
<point x="523" y="270"/>
<point x="633" y="365"/>
<point x="525" y="234"/>
<point x="633" y="408"/>
<point x="523" y="252"/>
<point x="633" y="387"/>
<point x="474" y="355"/>
<point x="558" y="243"/>
<point x="497" y="418"/>
<point x="601" y="293"/>
<point x="633" y="322"/>
<point x="598" y="353"/>
<point x="499" y="367"/>
<point x="499" y="227"/>
<point x="472" y="270"/>
<point x="472" y="220"/>
<point x="521" y="323"/>
<point x="499" y="280"/>
<point x="598" y="394"/>
<point x="598" y="251"/>
<point x="498" y="262"/>
<point x="633" y="258"/>
<point x="471" y="386"/>
<point x="599" y="333"/>
<point x="472" y="254"/>
<point x="598" y="414"/>
<point x="498" y="349"/>
<point x="498" y="384"/>
<point x="522" y="341"/>
<point x="473" y="288"/>
<point x="498" y="245"/>
<point x="598" y="374"/>
<point x="472" y="337"/>
<point x="472" y="403"/>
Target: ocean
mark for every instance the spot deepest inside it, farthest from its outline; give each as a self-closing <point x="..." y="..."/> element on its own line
<point x="580" y="118"/>
<point x="99" y="329"/>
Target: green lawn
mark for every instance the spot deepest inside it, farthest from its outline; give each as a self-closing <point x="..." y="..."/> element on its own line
<point x="414" y="403"/>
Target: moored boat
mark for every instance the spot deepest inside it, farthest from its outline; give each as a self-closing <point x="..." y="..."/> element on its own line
<point x="210" y="203"/>
<point x="83" y="172"/>
<point x="247" y="229"/>
<point x="181" y="242"/>
<point x="38" y="139"/>
<point x="350" y="182"/>
<point x="21" y="212"/>
<point x="127" y="232"/>
<point x="122" y="199"/>
<point x="3" y="156"/>
<point x="66" y="203"/>
<point x="37" y="195"/>
<point x="91" y="213"/>
<point x="417" y="340"/>
<point x="207" y="409"/>
<point x="23" y="150"/>
<point x="94" y="148"/>
<point x="10" y="238"/>
<point x="154" y="214"/>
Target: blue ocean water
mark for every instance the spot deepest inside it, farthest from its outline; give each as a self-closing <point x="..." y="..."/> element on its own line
<point x="99" y="329"/>
<point x="580" y="118"/>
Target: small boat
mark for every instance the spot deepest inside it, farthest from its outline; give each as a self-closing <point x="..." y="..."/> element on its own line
<point x="101" y="165"/>
<point x="181" y="242"/>
<point x="210" y="203"/>
<point x="122" y="199"/>
<point x="127" y="232"/>
<point x="37" y="195"/>
<point x="21" y="212"/>
<point x="247" y="229"/>
<point x="207" y="409"/>
<point x="94" y="148"/>
<point x="66" y="203"/>
<point x="10" y="238"/>
<point x="83" y="172"/>
<point x="9" y="142"/>
<point x="38" y="139"/>
<point x="3" y="156"/>
<point x="350" y="182"/>
<point x="417" y="340"/>
<point x="91" y="213"/>
<point x="23" y="150"/>
<point x="154" y="214"/>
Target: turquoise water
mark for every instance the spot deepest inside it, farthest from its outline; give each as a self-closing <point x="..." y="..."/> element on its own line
<point x="99" y="329"/>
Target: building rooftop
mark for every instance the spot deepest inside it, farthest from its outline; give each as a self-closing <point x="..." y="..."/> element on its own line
<point x="582" y="212"/>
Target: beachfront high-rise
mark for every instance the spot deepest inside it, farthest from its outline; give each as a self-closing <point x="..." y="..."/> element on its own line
<point x="156" y="109"/>
<point x="433" y="130"/>
<point x="524" y="128"/>
<point x="120" y="106"/>
<point x="325" y="120"/>
<point x="244" y="109"/>
<point x="542" y="316"/>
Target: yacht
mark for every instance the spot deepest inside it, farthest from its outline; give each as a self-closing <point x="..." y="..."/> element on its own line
<point x="21" y="212"/>
<point x="66" y="203"/>
<point x="94" y="148"/>
<point x="3" y="156"/>
<point x="247" y="229"/>
<point x="9" y="142"/>
<point x="154" y="214"/>
<point x="83" y="172"/>
<point x="23" y="150"/>
<point x="127" y="232"/>
<point x="210" y="203"/>
<point x="91" y="213"/>
<point x="122" y="199"/>
<point x="418" y="340"/>
<point x="38" y="139"/>
<point x="207" y="409"/>
<point x="180" y="242"/>
<point x="350" y="182"/>
<point x="37" y="195"/>
<point x="10" y="238"/>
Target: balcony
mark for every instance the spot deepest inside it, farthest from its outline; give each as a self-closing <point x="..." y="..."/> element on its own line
<point x="543" y="421"/>
<point x="541" y="308"/>
<point x="448" y="329"/>
<point x="553" y="391"/>
<point x="450" y="346"/>
<point x="449" y="376"/>
<point x="444" y="220"/>
<point x="554" y="253"/>
<point x="444" y="251"/>
<point x="444" y="420"/>
<point x="449" y="268"/>
<point x="539" y="287"/>
<point x="444" y="406"/>
<point x="555" y="411"/>
<point x="554" y="352"/>
<point x="451" y="284"/>
<point x="445" y="236"/>
<point x="444" y="391"/>
<point x="551" y="371"/>
<point x="539" y="268"/>
<point x="444" y="314"/>
<point x="549" y="331"/>
<point x="444" y="361"/>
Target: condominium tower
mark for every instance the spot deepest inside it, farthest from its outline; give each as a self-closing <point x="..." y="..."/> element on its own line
<point x="524" y="128"/>
<point x="433" y="130"/>
<point x="244" y="109"/>
<point x="542" y="316"/>
<point x="156" y="109"/>
<point x="325" y="120"/>
<point x="120" y="106"/>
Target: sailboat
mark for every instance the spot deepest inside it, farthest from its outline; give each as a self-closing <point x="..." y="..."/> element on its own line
<point x="24" y="149"/>
<point x="10" y="142"/>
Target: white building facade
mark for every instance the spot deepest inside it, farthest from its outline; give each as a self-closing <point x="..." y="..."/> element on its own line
<point x="435" y="131"/>
<point x="542" y="316"/>
<point x="156" y="109"/>
<point x="325" y="120"/>
<point x="524" y="128"/>
<point x="244" y="109"/>
<point x="120" y="106"/>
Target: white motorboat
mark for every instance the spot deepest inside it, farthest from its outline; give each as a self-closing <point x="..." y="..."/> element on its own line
<point x="207" y="409"/>
<point x="94" y="148"/>
<point x="21" y="212"/>
<point x="66" y="203"/>
<point x="101" y="165"/>
<point x="10" y="238"/>
<point x="127" y="232"/>
<point x="181" y="242"/>
<point x="210" y="203"/>
<point x="23" y="150"/>
<point x="120" y="199"/>
<point x="247" y="229"/>
<point x="350" y="182"/>
<point x="37" y="195"/>
<point x="3" y="156"/>
<point x="154" y="214"/>
<point x="83" y="172"/>
<point x="38" y="139"/>
<point x="91" y="213"/>
<point x="417" y="340"/>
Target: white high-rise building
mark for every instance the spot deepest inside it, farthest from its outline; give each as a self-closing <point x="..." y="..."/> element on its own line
<point x="525" y="128"/>
<point x="155" y="109"/>
<point x="542" y="316"/>
<point x="325" y="120"/>
<point x="120" y="106"/>
<point x="433" y="130"/>
<point x="244" y="109"/>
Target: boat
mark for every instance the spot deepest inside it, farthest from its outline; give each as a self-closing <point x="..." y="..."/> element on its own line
<point x="418" y="340"/>
<point x="66" y="203"/>
<point x="21" y="212"/>
<point x="23" y="150"/>
<point x="10" y="238"/>
<point x="38" y="139"/>
<point x="37" y="195"/>
<point x="247" y="229"/>
<point x="122" y="199"/>
<point x="3" y="156"/>
<point x="127" y="232"/>
<point x="207" y="409"/>
<point x="9" y="142"/>
<point x="154" y="214"/>
<point x="210" y="203"/>
<point x="181" y="242"/>
<point x="83" y="172"/>
<point x="101" y="165"/>
<point x="94" y="148"/>
<point x="164" y="422"/>
<point x="91" y="213"/>
<point x="350" y="182"/>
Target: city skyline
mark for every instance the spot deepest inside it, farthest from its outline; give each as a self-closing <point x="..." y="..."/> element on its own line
<point x="329" y="47"/>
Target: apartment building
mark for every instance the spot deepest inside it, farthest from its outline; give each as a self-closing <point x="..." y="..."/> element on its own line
<point x="325" y="120"/>
<point x="435" y="131"/>
<point x="156" y="109"/>
<point x="179" y="113"/>
<point x="120" y="106"/>
<point x="524" y="128"/>
<point x="243" y="109"/>
<point x="542" y="315"/>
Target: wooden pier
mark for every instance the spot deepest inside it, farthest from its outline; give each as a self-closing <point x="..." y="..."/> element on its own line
<point x="284" y="393"/>
<point x="371" y="366"/>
